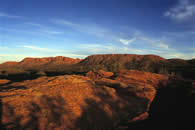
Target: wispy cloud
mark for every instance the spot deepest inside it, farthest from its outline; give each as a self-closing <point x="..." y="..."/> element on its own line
<point x="36" y="48"/>
<point x="44" y="29"/>
<point x="183" y="11"/>
<point x="157" y="44"/>
<point x="127" y="42"/>
<point x="107" y="49"/>
<point x="34" y="24"/>
<point x="2" y="14"/>
<point x="89" y="28"/>
<point x="35" y="29"/>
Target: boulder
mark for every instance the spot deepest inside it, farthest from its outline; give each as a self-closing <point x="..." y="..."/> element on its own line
<point x="99" y="74"/>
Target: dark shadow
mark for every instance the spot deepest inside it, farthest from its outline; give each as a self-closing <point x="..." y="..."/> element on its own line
<point x="172" y="108"/>
<point x="33" y="75"/>
<point x="1" y="112"/>
<point x="21" y="77"/>
<point x="6" y="84"/>
<point x="94" y="117"/>
<point x="11" y="88"/>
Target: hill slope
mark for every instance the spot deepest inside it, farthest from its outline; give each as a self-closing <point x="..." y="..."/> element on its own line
<point x="109" y="62"/>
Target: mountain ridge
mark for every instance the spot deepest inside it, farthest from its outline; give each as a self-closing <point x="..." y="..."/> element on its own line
<point x="108" y="62"/>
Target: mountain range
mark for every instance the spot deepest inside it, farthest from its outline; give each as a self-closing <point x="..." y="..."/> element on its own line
<point x="109" y="62"/>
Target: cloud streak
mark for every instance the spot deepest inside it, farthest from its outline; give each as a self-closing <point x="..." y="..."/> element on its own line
<point x="36" y="48"/>
<point x="2" y="14"/>
<point x="44" y="29"/>
<point x="90" y="28"/>
<point x="157" y="44"/>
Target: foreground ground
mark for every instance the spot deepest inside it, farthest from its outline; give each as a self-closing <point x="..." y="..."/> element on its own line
<point x="98" y="101"/>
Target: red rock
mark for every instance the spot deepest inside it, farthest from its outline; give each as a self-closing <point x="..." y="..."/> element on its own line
<point x="99" y="74"/>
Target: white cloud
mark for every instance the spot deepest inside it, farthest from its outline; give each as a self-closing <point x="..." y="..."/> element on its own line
<point x="156" y="44"/>
<point x="180" y="55"/>
<point x="34" y="24"/>
<point x="127" y="42"/>
<point x="108" y="49"/>
<point x="65" y="22"/>
<point x="163" y="45"/>
<point x="51" y="32"/>
<point x="2" y="14"/>
<point x="72" y="55"/>
<point x="183" y="11"/>
<point x="36" y="48"/>
<point x="44" y="29"/>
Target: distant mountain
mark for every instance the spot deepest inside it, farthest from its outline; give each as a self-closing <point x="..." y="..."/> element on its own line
<point x="50" y="60"/>
<point x="149" y="63"/>
<point x="115" y="62"/>
<point x="108" y="62"/>
<point x="30" y="63"/>
<point x="122" y="58"/>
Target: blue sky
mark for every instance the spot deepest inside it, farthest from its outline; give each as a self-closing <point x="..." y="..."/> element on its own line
<point x="78" y="28"/>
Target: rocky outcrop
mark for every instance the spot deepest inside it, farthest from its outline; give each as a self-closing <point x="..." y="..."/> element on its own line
<point x="72" y="102"/>
<point x="99" y="74"/>
<point x="83" y="103"/>
<point x="143" y="78"/>
<point x="149" y="63"/>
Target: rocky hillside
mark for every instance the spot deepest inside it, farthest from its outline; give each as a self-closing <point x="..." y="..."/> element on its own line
<point x="109" y="101"/>
<point x="30" y="63"/>
<point x="122" y="58"/>
<point x="116" y="62"/>
<point x="148" y="63"/>
<point x="110" y="62"/>
<point x="30" y="68"/>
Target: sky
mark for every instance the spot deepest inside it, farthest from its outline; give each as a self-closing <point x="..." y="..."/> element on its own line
<point x="79" y="28"/>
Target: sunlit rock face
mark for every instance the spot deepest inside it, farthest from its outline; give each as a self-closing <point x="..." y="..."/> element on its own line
<point x="99" y="74"/>
<point x="79" y="102"/>
<point x="32" y="63"/>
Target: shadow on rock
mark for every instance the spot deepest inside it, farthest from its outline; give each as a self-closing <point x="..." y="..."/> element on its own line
<point x="173" y="107"/>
